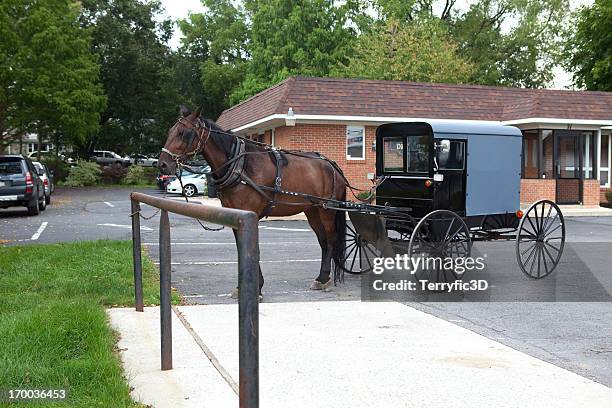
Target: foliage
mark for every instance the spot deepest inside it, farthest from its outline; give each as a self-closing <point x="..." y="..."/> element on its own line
<point x="53" y="326"/>
<point x="135" y="175"/>
<point x="509" y="42"/>
<point x="136" y="73"/>
<point x="59" y="168"/>
<point x="294" y="37"/>
<point x="48" y="78"/>
<point x="421" y="51"/>
<point x="609" y="197"/>
<point x="588" y="49"/>
<point x="113" y="174"/>
<point x="84" y="174"/>
<point x="150" y="174"/>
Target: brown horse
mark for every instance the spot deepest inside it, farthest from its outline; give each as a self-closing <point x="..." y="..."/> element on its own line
<point x="255" y="177"/>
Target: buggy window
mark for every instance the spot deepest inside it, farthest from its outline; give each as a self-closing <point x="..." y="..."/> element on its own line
<point x="10" y="166"/>
<point x="454" y="159"/>
<point x="417" y="154"/>
<point x="393" y="154"/>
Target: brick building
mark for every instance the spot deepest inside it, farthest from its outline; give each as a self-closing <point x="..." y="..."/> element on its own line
<point x="567" y="135"/>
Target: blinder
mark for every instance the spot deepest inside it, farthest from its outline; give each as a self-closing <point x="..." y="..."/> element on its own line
<point x="188" y="135"/>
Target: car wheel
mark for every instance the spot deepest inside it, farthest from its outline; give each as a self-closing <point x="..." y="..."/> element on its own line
<point x="33" y="209"/>
<point x="42" y="204"/>
<point x="189" y="190"/>
<point x="48" y="199"/>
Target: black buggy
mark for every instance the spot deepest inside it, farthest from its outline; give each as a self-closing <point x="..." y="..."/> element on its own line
<point x="443" y="185"/>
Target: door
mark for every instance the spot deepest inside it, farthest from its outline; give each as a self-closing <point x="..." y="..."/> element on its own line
<point x="568" y="166"/>
<point x="449" y="179"/>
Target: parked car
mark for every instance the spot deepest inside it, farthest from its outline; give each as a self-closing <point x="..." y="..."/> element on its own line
<point x="62" y="157"/>
<point x="47" y="178"/>
<point x="143" y="160"/>
<point x="21" y="184"/>
<point x="106" y="157"/>
<point x="192" y="185"/>
<point x="163" y="180"/>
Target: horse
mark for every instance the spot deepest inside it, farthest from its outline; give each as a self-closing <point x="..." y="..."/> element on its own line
<point x="271" y="182"/>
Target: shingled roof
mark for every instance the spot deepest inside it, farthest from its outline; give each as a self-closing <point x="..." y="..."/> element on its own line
<point x="356" y="97"/>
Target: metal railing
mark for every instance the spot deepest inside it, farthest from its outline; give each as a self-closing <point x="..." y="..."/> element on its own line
<point x="245" y="224"/>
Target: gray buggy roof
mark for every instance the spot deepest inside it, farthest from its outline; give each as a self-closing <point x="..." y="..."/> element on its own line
<point x="468" y="127"/>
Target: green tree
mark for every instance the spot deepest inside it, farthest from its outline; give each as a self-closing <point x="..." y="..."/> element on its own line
<point x="295" y="37"/>
<point x="421" y="51"/>
<point x="213" y="55"/>
<point x="136" y="73"/>
<point x="48" y="77"/>
<point x="588" y="49"/>
<point x="509" y="42"/>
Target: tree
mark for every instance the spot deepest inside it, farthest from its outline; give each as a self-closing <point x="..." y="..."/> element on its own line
<point x="509" y="42"/>
<point x="213" y="55"/>
<point x="588" y="50"/>
<point x="294" y="37"/>
<point x="421" y="51"/>
<point x="49" y="79"/>
<point x="136" y="73"/>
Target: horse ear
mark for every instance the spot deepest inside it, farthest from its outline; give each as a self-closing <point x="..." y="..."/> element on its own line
<point x="198" y="112"/>
<point x="185" y="111"/>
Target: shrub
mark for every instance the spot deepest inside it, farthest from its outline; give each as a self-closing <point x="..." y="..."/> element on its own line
<point x="83" y="174"/>
<point x="113" y="174"/>
<point x="135" y="175"/>
<point x="609" y="196"/>
<point x="150" y="174"/>
<point x="59" y="168"/>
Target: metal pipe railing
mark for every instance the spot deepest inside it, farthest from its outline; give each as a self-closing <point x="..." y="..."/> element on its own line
<point x="247" y="241"/>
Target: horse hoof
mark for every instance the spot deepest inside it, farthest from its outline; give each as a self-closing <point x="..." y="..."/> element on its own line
<point x="316" y="285"/>
<point x="236" y="295"/>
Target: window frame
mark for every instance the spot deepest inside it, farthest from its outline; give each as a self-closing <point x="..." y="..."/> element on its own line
<point x="363" y="145"/>
<point x="609" y="154"/>
<point x="463" y="142"/>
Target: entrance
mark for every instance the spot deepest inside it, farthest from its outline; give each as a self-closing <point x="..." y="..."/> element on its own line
<point x="569" y="166"/>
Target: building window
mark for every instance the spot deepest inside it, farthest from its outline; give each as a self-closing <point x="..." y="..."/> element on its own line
<point x="530" y="155"/>
<point x="46" y="147"/>
<point x="547" y="154"/>
<point x="355" y="143"/>
<point x="588" y="155"/>
<point x="604" y="160"/>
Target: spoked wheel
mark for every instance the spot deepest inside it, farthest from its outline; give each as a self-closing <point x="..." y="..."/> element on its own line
<point x="540" y="239"/>
<point x="359" y="254"/>
<point x="439" y="236"/>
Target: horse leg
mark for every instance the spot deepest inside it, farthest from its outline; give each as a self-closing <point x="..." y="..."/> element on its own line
<point x="322" y="282"/>
<point x="236" y="291"/>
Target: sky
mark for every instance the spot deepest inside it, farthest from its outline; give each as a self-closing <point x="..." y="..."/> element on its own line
<point x="176" y="9"/>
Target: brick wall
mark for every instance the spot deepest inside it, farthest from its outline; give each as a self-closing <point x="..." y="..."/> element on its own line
<point x="591" y="193"/>
<point x="533" y="190"/>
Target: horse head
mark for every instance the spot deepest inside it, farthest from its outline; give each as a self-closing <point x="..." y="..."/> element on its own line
<point x="185" y="138"/>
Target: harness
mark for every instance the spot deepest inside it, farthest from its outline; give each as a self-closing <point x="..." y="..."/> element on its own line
<point x="235" y="166"/>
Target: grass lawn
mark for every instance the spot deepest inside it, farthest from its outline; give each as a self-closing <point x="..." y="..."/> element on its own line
<point x="53" y="327"/>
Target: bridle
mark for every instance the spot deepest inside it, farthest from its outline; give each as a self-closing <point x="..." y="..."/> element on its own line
<point x="198" y="128"/>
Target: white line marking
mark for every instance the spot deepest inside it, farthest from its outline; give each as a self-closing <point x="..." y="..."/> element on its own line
<point x="284" y="229"/>
<point x="235" y="262"/>
<point x="109" y="204"/>
<point x="284" y="243"/>
<point x="124" y="226"/>
<point x="39" y="231"/>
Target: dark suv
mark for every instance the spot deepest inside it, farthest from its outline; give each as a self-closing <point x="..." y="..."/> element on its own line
<point x="20" y="184"/>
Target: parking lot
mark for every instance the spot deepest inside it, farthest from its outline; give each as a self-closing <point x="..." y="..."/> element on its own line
<point x="574" y="333"/>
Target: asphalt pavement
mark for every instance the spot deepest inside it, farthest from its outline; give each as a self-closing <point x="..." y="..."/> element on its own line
<point x="565" y="319"/>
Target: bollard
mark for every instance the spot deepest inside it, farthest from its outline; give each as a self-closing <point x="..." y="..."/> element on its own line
<point x="136" y="255"/>
<point x="165" y="296"/>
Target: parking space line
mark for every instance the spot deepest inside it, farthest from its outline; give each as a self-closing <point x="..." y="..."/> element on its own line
<point x="39" y="231"/>
<point x="109" y="204"/>
<point x="284" y="229"/>
<point x="284" y="243"/>
<point x="235" y="262"/>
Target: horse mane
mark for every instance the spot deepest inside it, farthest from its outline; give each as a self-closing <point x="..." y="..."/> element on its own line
<point x="224" y="139"/>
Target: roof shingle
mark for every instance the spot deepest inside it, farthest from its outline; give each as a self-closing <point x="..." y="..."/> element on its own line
<point x="355" y="97"/>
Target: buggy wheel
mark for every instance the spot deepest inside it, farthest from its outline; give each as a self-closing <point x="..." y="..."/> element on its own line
<point x="358" y="254"/>
<point x="540" y="239"/>
<point x="439" y="236"/>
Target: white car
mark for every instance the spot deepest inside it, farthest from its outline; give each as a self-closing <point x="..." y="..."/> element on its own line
<point x="192" y="185"/>
<point x="143" y="160"/>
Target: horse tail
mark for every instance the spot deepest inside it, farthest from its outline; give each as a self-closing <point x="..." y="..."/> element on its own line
<point x="338" y="253"/>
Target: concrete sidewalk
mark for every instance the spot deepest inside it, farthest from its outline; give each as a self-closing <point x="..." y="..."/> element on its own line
<point x="339" y="354"/>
